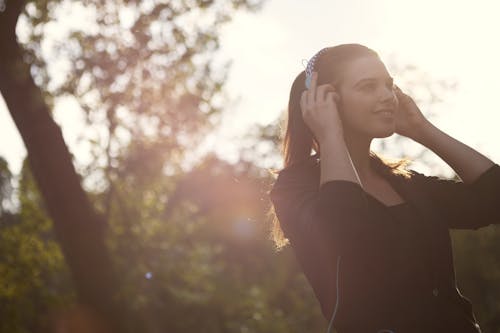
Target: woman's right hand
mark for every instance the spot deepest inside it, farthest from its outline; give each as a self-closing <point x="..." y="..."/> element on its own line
<point x="319" y="110"/>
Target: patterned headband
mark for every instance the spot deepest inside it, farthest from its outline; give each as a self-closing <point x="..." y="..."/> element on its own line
<point x="310" y="66"/>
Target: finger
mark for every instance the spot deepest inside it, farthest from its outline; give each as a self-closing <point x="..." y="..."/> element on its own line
<point x="314" y="78"/>
<point x="333" y="97"/>
<point x="404" y="98"/>
<point x="401" y="96"/>
<point x="331" y="88"/>
<point x="399" y="91"/>
<point x="311" y="92"/>
<point x="303" y="101"/>
<point x="329" y="97"/>
<point x="320" y="93"/>
<point x="336" y="97"/>
<point x="309" y="98"/>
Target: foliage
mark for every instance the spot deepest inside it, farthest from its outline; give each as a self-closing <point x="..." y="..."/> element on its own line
<point x="137" y="69"/>
<point x="191" y="264"/>
<point x="5" y="186"/>
<point x="188" y="258"/>
<point x="33" y="275"/>
<point x="199" y="247"/>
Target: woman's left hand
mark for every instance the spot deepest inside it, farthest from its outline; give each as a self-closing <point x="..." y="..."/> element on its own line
<point x="409" y="118"/>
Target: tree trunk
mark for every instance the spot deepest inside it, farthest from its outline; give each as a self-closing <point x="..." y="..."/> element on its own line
<point x="78" y="227"/>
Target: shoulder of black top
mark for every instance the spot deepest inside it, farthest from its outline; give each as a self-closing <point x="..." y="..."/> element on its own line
<point x="311" y="161"/>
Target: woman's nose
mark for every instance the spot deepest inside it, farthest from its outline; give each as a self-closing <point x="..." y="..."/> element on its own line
<point x="388" y="95"/>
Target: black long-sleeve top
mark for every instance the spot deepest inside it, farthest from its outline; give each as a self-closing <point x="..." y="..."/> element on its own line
<point x="396" y="264"/>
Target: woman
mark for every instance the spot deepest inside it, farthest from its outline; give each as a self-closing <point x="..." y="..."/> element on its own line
<point x="373" y="237"/>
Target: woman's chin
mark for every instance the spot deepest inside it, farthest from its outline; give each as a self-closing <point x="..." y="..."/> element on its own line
<point x="385" y="133"/>
<point x="373" y="132"/>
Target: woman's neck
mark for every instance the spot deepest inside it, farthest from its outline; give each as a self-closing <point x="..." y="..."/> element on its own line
<point x="359" y="150"/>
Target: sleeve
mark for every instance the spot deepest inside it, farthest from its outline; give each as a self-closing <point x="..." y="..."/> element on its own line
<point x="466" y="206"/>
<point x="310" y="213"/>
<point x="316" y="220"/>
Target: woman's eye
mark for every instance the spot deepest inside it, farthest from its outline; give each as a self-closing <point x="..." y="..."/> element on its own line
<point x="369" y="86"/>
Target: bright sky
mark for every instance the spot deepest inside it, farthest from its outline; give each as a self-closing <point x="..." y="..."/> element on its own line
<point x="447" y="39"/>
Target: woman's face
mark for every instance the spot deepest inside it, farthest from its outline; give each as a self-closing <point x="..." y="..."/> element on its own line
<point x="368" y="102"/>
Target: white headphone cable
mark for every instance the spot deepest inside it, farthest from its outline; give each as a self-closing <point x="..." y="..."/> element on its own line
<point x="353" y="167"/>
<point x="330" y="325"/>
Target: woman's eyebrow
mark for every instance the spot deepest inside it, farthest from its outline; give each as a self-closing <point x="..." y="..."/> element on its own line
<point x="390" y="79"/>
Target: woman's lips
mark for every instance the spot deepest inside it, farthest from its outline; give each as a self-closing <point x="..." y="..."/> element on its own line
<point x="386" y="113"/>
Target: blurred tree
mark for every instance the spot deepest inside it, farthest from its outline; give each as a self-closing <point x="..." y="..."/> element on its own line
<point x="33" y="275"/>
<point x="195" y="257"/>
<point x="201" y="255"/>
<point x="5" y="186"/>
<point x="141" y="59"/>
